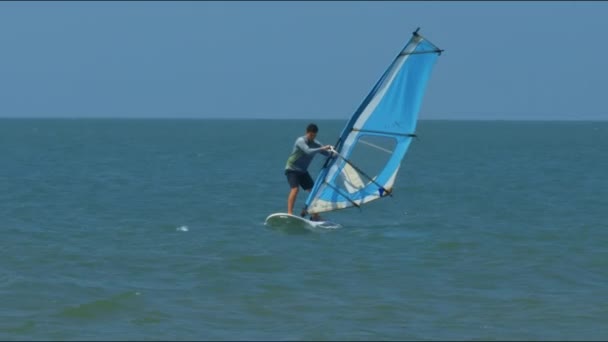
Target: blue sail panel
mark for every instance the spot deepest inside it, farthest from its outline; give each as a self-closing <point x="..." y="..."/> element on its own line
<point x="397" y="112"/>
<point x="377" y="137"/>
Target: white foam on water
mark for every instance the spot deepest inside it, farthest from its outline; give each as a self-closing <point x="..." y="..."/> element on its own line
<point x="329" y="225"/>
<point x="182" y="229"/>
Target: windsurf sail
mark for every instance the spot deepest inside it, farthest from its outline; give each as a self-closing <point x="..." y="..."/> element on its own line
<point x="375" y="140"/>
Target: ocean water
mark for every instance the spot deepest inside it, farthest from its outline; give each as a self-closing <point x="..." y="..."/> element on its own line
<point x="123" y="229"/>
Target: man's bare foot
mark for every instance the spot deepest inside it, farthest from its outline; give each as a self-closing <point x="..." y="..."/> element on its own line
<point x="315" y="217"/>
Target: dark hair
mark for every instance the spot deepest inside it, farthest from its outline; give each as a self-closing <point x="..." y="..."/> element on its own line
<point x="312" y="128"/>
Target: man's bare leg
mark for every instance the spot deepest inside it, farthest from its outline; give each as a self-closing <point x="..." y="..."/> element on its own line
<point x="291" y="200"/>
<point x="315" y="216"/>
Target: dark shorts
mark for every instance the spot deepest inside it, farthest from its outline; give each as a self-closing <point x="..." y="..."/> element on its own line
<point x="297" y="178"/>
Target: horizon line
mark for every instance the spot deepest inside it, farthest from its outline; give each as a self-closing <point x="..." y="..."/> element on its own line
<point x="284" y="119"/>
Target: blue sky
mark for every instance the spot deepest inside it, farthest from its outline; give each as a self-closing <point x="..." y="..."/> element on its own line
<point x="502" y="60"/>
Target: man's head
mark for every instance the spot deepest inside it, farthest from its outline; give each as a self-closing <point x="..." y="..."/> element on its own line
<point x="311" y="131"/>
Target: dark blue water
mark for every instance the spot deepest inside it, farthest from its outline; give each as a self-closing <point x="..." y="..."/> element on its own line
<point x="153" y="229"/>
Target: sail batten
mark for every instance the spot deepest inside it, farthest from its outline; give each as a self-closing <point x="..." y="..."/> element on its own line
<point x="384" y="132"/>
<point x="375" y="146"/>
<point x="420" y="52"/>
<point x="377" y="136"/>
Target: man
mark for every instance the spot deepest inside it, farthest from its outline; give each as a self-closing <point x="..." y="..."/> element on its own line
<point x="304" y="149"/>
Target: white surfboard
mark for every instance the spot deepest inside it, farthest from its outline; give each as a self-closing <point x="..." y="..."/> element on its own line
<point x="287" y="222"/>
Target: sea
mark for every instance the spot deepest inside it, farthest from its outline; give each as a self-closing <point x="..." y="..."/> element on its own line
<point x="153" y="229"/>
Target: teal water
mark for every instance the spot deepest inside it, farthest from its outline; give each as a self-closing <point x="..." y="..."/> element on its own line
<point x="153" y="230"/>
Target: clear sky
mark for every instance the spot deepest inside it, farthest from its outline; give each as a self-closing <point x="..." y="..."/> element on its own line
<point x="502" y="60"/>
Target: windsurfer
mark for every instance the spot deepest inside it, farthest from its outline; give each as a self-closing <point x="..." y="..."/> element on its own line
<point x="304" y="149"/>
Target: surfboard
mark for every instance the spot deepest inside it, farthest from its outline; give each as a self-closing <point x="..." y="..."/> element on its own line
<point x="293" y="223"/>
